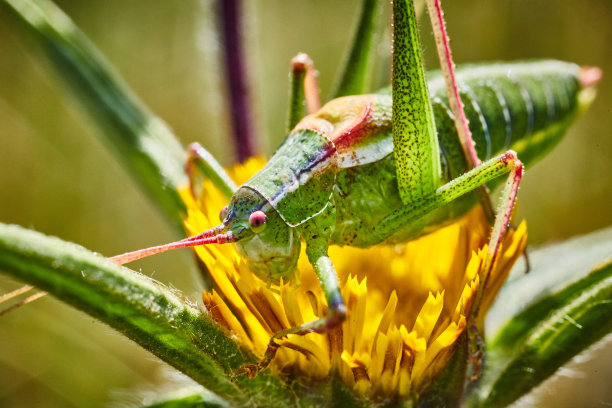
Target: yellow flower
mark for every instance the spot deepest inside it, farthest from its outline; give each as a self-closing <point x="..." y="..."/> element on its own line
<point x="407" y="304"/>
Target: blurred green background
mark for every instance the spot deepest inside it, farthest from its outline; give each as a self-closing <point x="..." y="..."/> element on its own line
<point x="57" y="177"/>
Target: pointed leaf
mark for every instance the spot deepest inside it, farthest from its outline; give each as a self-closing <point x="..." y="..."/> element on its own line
<point x="514" y="334"/>
<point x="552" y="268"/>
<point x="581" y="315"/>
<point x="144" y="142"/>
<point x="356" y="70"/>
<point x="189" y="399"/>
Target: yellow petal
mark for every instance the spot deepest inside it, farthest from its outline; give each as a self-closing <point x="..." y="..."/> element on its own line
<point x="429" y="284"/>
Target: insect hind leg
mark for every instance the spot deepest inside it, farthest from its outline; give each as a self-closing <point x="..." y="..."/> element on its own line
<point x="454" y="98"/>
<point x="485" y="172"/>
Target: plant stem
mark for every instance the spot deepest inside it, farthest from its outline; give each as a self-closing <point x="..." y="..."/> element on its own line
<point x="237" y="78"/>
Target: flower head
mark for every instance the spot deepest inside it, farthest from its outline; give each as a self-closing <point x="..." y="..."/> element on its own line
<point x="407" y="304"/>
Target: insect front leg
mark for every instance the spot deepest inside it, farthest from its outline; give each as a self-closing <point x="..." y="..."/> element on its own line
<point x="336" y="309"/>
<point x="200" y="163"/>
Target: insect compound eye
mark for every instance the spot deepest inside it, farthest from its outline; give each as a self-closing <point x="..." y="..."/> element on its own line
<point x="257" y="220"/>
<point x="223" y="213"/>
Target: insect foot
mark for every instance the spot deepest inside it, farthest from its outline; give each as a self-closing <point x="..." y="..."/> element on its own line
<point x="251" y="370"/>
<point x="336" y="318"/>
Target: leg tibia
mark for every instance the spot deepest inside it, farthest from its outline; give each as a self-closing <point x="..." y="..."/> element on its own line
<point x="335" y="305"/>
<point x="452" y="190"/>
<point x="454" y="98"/>
<point x="201" y="163"/>
<point x="504" y="211"/>
<point x="502" y="220"/>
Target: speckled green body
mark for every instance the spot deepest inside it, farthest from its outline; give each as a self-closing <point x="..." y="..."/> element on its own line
<point x="334" y="178"/>
<point x="523" y="107"/>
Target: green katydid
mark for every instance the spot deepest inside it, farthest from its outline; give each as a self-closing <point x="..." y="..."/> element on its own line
<point x="391" y="166"/>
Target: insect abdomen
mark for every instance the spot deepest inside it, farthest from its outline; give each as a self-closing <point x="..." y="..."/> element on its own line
<point x="521" y="106"/>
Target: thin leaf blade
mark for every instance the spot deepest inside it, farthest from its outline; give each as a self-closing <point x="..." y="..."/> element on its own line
<point x="355" y="72"/>
<point x="553" y="267"/>
<point x="581" y="315"/>
<point x="189" y="399"/>
<point x="144" y="143"/>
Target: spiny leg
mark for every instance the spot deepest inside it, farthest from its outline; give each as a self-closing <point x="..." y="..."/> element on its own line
<point x="485" y="172"/>
<point x="504" y="212"/>
<point x="304" y="87"/>
<point x="200" y="163"/>
<point x="415" y="144"/>
<point x="336" y="314"/>
<point x="447" y="66"/>
<point x="454" y="98"/>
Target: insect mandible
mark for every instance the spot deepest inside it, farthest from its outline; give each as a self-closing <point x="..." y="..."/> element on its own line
<point x="388" y="167"/>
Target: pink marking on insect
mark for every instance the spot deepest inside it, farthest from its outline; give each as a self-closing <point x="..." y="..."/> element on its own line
<point x="448" y="69"/>
<point x="343" y="121"/>
<point x="589" y="76"/>
<point x="316" y="124"/>
<point x="501" y="224"/>
<point x="223" y="212"/>
<point x="346" y="136"/>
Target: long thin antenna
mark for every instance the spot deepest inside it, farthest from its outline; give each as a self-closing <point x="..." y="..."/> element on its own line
<point x="211" y="236"/>
<point x="18" y="292"/>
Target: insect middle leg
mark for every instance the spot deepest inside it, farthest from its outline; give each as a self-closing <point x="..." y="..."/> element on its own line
<point x="304" y="88"/>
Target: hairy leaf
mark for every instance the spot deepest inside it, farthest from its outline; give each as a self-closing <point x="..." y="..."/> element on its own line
<point x="550" y="332"/>
<point x="147" y="147"/>
<point x="145" y="311"/>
